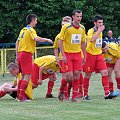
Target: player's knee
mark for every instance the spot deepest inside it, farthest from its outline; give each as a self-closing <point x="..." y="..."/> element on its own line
<point x="88" y="75"/>
<point x="117" y="74"/>
<point x="34" y="86"/>
<point x="69" y="78"/>
<point x="77" y="75"/>
<point x="104" y="73"/>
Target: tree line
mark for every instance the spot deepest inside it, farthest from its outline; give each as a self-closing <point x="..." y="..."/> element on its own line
<point x="50" y="13"/>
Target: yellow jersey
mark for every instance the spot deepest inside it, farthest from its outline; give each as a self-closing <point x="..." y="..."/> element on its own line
<point x="112" y="54"/>
<point x="48" y="61"/>
<point x="72" y="37"/>
<point x="56" y="46"/>
<point x="29" y="89"/>
<point x="26" y="40"/>
<point x="94" y="48"/>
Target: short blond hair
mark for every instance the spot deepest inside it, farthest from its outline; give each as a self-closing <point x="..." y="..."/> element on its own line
<point x="12" y="66"/>
<point x="66" y="19"/>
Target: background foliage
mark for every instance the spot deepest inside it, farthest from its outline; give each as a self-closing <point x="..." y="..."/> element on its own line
<point x="50" y="12"/>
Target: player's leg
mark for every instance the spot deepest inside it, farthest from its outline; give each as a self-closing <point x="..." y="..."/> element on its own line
<point x="111" y="85"/>
<point x="52" y="78"/>
<point x="80" y="91"/>
<point x="63" y="86"/>
<point x="88" y="68"/>
<point x="117" y="75"/>
<point x="86" y="83"/>
<point x="35" y="75"/>
<point x="77" y="68"/>
<point x="75" y="85"/>
<point x="2" y="92"/>
<point x="102" y="68"/>
<point x="4" y="89"/>
<point x="67" y="75"/>
<point x="26" y="69"/>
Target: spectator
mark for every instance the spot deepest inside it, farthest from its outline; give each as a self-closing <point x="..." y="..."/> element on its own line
<point x="110" y="37"/>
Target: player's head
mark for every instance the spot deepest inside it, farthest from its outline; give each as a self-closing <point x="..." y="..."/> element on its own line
<point x="110" y="33"/>
<point x="66" y="19"/>
<point x="98" y="21"/>
<point x="77" y="16"/>
<point x="13" y="69"/>
<point x="104" y="47"/>
<point x="52" y="68"/>
<point x="31" y="19"/>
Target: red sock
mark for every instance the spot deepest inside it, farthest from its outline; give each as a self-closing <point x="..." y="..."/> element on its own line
<point x="75" y="88"/>
<point x="18" y="91"/>
<point x="111" y="88"/>
<point x="105" y="83"/>
<point x="63" y="84"/>
<point x="81" y="84"/>
<point x="50" y="87"/>
<point x="86" y="86"/>
<point x="66" y="91"/>
<point x="118" y="83"/>
<point x="69" y="88"/>
<point x="2" y="93"/>
<point x="23" y="87"/>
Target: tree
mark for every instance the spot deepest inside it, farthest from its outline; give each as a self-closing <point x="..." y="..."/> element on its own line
<point x="50" y="13"/>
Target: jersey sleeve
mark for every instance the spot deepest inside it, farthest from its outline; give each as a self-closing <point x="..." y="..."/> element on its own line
<point x="33" y="33"/>
<point x="89" y="35"/>
<point x="62" y="32"/>
<point x="56" y="42"/>
<point x="83" y="36"/>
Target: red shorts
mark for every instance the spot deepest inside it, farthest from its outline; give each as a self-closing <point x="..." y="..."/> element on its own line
<point x="63" y="66"/>
<point x="35" y="74"/>
<point x="110" y="65"/>
<point x="74" y="61"/>
<point x="25" y="62"/>
<point x="94" y="63"/>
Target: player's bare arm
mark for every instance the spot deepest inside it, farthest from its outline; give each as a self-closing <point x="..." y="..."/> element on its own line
<point x="16" y="48"/>
<point x="100" y="29"/>
<point x="83" y="47"/>
<point x="62" y="51"/>
<point x="40" y="75"/>
<point x="40" y="39"/>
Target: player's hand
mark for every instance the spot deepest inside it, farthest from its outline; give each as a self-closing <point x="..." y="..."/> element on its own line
<point x="64" y="59"/>
<point x="39" y="82"/>
<point x="83" y="60"/>
<point x="101" y="28"/>
<point x="16" y="59"/>
<point x="50" y="41"/>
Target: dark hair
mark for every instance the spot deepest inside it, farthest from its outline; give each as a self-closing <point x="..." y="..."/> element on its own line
<point x="97" y="17"/>
<point x="103" y="44"/>
<point x="76" y="11"/>
<point x="30" y="17"/>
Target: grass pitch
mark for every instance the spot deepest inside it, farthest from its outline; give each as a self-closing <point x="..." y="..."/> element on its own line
<point x="52" y="109"/>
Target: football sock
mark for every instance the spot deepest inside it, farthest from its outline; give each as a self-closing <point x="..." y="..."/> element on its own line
<point x="118" y="83"/>
<point x="75" y="88"/>
<point x="85" y="86"/>
<point x="63" y="84"/>
<point x="23" y="87"/>
<point x="50" y="87"/>
<point x="111" y="88"/>
<point x="105" y="83"/>
<point x="2" y="93"/>
<point x="81" y="84"/>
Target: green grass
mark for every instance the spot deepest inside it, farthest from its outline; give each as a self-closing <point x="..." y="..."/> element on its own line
<point x="51" y="109"/>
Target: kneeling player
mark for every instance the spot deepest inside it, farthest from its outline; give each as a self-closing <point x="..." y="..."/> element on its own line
<point x="45" y="67"/>
<point x="12" y="88"/>
<point x="111" y="53"/>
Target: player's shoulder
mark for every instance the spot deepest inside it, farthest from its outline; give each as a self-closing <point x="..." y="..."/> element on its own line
<point x="113" y="45"/>
<point x="67" y="25"/>
<point x="82" y="26"/>
<point x="91" y="30"/>
<point x="58" y="35"/>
